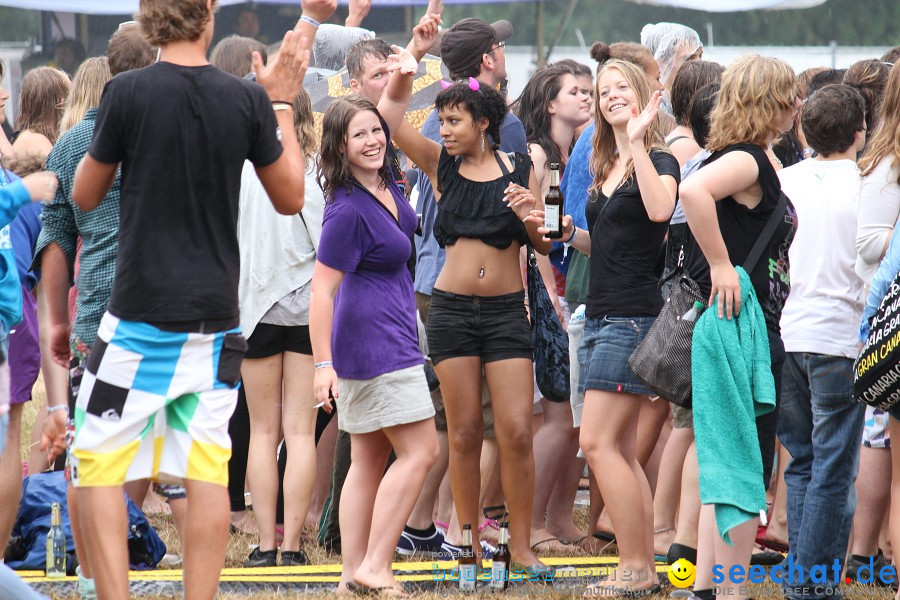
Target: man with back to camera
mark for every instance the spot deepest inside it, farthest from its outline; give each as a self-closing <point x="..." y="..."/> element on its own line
<point x="161" y="380"/>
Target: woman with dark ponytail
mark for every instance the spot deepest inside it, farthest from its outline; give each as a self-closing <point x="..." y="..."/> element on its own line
<point x="477" y="320"/>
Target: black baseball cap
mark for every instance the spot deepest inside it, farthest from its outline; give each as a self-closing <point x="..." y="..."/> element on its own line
<point x="463" y="45"/>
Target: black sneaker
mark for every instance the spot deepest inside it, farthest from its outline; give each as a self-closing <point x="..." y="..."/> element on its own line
<point x="878" y="562"/>
<point x="259" y="558"/>
<point x="296" y="558"/>
<point x="411" y="544"/>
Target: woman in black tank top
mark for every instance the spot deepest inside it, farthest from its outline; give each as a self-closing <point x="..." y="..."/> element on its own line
<point x="477" y="321"/>
<point x="728" y="203"/>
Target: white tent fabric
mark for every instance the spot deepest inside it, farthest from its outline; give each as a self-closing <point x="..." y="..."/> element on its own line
<point x="733" y="5"/>
<point x="127" y="7"/>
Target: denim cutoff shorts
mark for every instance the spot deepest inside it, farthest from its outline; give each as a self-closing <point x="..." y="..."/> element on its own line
<point x="490" y="327"/>
<point x="604" y="351"/>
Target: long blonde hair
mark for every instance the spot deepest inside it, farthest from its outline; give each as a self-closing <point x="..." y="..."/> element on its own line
<point x="604" y="152"/>
<point x="756" y="92"/>
<point x="87" y="87"/>
<point x="885" y="143"/>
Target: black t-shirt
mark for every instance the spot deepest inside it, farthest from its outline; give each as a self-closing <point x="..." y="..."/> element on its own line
<point x="182" y="135"/>
<point x="741" y="227"/>
<point x="625" y="249"/>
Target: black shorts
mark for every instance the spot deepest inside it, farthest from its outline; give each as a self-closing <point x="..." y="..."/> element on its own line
<point x="491" y="327"/>
<point x="271" y="340"/>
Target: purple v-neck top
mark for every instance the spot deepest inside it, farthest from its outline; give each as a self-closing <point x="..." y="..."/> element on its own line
<point x="374" y="329"/>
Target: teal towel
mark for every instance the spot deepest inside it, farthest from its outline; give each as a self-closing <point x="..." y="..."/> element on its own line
<point x="732" y="380"/>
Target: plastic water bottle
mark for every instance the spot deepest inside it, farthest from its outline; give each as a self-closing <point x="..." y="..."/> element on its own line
<point x="695" y="311"/>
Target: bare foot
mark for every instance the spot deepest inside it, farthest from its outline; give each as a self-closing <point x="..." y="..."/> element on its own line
<point x="624" y="581"/>
<point x="245" y="522"/>
<point x="366" y="577"/>
<point x="543" y="542"/>
<point x="662" y="539"/>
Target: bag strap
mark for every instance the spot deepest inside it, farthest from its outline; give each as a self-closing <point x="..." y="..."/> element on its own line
<point x="767" y="233"/>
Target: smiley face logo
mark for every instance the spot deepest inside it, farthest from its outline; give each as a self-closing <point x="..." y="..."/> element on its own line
<point x="682" y="573"/>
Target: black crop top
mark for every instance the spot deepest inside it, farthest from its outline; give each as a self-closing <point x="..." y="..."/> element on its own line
<point x="475" y="209"/>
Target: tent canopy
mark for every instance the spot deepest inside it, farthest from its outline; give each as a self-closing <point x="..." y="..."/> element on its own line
<point x="127" y="7"/>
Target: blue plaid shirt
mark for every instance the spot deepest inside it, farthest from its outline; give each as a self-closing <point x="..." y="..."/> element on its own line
<point x="63" y="223"/>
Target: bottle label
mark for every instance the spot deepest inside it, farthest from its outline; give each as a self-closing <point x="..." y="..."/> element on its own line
<point x="467" y="577"/>
<point x="498" y="574"/>
<point x="551" y="217"/>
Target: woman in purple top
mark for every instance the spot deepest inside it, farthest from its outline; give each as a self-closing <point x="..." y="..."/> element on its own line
<point x="365" y="342"/>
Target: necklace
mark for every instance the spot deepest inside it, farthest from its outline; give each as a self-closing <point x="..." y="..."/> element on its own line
<point x="481" y="272"/>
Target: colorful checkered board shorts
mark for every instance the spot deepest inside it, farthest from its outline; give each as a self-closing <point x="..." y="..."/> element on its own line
<point x="155" y="404"/>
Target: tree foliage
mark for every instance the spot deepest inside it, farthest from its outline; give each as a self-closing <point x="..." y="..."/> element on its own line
<point x="19" y="25"/>
<point x="847" y="22"/>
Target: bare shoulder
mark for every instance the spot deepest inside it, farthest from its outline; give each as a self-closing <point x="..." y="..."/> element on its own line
<point x="538" y="157"/>
<point x="30" y="142"/>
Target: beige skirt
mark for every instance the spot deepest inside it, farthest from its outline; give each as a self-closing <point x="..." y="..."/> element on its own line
<point x="395" y="398"/>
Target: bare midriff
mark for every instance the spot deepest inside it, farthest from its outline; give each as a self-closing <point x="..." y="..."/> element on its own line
<point x="474" y="268"/>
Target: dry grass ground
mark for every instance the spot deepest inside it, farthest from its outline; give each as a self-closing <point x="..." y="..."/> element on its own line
<point x="240" y="544"/>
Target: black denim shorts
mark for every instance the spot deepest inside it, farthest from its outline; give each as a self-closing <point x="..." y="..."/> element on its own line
<point x="491" y="327"/>
<point x="270" y="340"/>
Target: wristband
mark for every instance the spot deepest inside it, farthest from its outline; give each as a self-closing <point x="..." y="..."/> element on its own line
<point x="52" y="409"/>
<point x="323" y="364"/>
<point x="277" y="107"/>
<point x="280" y="102"/>
<point x="310" y="20"/>
<point x="572" y="237"/>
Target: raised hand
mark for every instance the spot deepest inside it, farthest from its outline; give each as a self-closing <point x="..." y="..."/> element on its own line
<point x="424" y="34"/>
<point x="639" y="123"/>
<point x="357" y="11"/>
<point x="282" y="78"/>
<point x="402" y="60"/>
<point x="321" y="10"/>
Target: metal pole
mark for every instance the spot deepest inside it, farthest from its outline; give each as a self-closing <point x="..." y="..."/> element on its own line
<point x="557" y="36"/>
<point x="540" y="33"/>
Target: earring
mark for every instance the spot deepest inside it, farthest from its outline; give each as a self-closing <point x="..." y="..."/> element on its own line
<point x="482" y="141"/>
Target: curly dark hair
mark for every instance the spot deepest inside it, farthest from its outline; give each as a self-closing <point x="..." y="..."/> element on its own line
<point x="333" y="169"/>
<point x="484" y="103"/>
<point x="531" y="107"/>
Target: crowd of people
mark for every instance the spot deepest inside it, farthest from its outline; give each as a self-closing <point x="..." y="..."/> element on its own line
<point x="206" y="276"/>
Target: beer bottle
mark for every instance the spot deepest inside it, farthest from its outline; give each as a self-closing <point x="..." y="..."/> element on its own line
<point x="500" y="564"/>
<point x="56" y="545"/>
<point x="468" y="572"/>
<point x="553" y="205"/>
